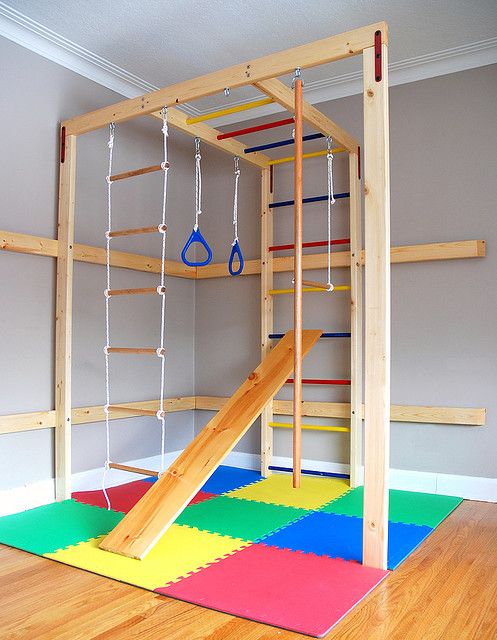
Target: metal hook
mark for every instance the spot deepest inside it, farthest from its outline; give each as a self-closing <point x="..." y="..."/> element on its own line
<point x="297" y="76"/>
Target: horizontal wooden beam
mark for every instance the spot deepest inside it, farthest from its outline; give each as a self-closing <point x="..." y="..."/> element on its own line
<point x="18" y="422"/>
<point x="313" y="54"/>
<point x="399" y="413"/>
<point x="40" y="246"/>
<point x="407" y="253"/>
<point x="284" y="96"/>
<point x="37" y="245"/>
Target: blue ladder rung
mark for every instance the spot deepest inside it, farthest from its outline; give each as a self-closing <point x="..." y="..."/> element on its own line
<point x="288" y="203"/>
<point x="282" y="143"/>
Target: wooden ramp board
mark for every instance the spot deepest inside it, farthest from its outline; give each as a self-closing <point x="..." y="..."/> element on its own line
<point x="142" y="527"/>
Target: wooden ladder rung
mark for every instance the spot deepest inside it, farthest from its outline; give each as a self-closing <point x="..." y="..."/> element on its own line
<point x="134" y="292"/>
<point x="313" y="283"/>
<point x="137" y="172"/>
<point x="116" y="408"/>
<point x="162" y="228"/>
<point x="125" y="467"/>
<point x="138" y="350"/>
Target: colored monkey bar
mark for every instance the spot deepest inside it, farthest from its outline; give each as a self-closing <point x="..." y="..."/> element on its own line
<point x="259" y="127"/>
<point x="321" y="381"/>
<point x="283" y="143"/>
<point x="336" y="334"/>
<point x="340" y="287"/>
<point x="307" y="245"/>
<point x="309" y="472"/>
<point x="289" y="203"/>
<point x="310" y="427"/>
<point x="305" y="156"/>
<point x="226" y="112"/>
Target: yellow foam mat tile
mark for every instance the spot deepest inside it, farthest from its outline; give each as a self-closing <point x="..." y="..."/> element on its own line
<point x="180" y="550"/>
<point x="277" y="489"/>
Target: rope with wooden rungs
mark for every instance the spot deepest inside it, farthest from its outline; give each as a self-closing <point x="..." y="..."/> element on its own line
<point x="161" y="352"/>
<point x="161" y="289"/>
<point x="110" y="144"/>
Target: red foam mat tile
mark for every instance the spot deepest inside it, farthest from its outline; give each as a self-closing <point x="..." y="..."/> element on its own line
<point x="125" y="496"/>
<point x="301" y="592"/>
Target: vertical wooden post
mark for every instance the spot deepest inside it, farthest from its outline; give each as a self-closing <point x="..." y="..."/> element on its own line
<point x="297" y="296"/>
<point x="266" y="309"/>
<point x="63" y="319"/>
<point x="355" y="322"/>
<point x="377" y="305"/>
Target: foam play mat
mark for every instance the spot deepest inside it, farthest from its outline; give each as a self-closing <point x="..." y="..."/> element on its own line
<point x="238" y="536"/>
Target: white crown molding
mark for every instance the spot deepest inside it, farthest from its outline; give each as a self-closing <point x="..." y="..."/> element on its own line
<point x="28" y="33"/>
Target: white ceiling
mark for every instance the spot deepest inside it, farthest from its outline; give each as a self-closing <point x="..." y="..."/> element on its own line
<point x="166" y="41"/>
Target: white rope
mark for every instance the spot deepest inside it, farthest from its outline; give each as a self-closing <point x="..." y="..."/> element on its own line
<point x="235" y="200"/>
<point x="198" y="183"/>
<point x="161" y="351"/>
<point x="110" y="144"/>
<point x="331" y="201"/>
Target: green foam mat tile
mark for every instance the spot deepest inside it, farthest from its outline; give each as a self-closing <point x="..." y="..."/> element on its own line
<point x="56" y="526"/>
<point x="245" y="519"/>
<point x="409" y="507"/>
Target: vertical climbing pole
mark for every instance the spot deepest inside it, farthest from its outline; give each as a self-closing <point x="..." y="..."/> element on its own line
<point x="297" y="276"/>
<point x="266" y="309"/>
<point x="355" y="321"/>
<point x="63" y="315"/>
<point x="377" y="304"/>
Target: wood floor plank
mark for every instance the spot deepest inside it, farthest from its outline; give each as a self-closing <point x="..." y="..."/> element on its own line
<point x="446" y="590"/>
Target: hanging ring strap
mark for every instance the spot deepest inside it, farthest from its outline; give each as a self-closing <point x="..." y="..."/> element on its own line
<point x="236" y="252"/>
<point x="331" y="201"/>
<point x="196" y="236"/>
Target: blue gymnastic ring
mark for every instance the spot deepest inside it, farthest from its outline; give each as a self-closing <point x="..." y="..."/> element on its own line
<point x="196" y="236"/>
<point x="235" y="252"/>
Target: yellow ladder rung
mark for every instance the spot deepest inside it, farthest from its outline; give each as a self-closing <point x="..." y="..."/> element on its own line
<point x="275" y="292"/>
<point x="313" y="427"/>
<point x="229" y="110"/>
<point x="314" y="154"/>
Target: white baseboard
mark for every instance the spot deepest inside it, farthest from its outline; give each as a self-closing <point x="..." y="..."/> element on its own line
<point x="43" y="492"/>
<point x="467" y="487"/>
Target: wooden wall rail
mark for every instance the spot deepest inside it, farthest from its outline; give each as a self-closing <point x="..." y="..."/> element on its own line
<point x="399" y="413"/>
<point x="313" y="54"/>
<point x="402" y="254"/>
<point x="18" y="422"/>
<point x="40" y="246"/>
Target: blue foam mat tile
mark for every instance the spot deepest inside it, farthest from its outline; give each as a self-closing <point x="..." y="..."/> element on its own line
<point x="227" y="478"/>
<point x="338" y="536"/>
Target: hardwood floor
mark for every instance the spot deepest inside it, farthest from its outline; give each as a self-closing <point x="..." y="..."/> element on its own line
<point x="447" y="590"/>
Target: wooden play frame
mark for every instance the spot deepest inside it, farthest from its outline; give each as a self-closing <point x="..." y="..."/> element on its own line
<point x="372" y="42"/>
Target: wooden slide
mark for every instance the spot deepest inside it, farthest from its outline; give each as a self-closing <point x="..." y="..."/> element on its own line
<point x="142" y="527"/>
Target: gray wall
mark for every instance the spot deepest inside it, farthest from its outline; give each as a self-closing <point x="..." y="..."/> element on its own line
<point x="35" y="95"/>
<point x="443" y="140"/>
<point x="444" y="334"/>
